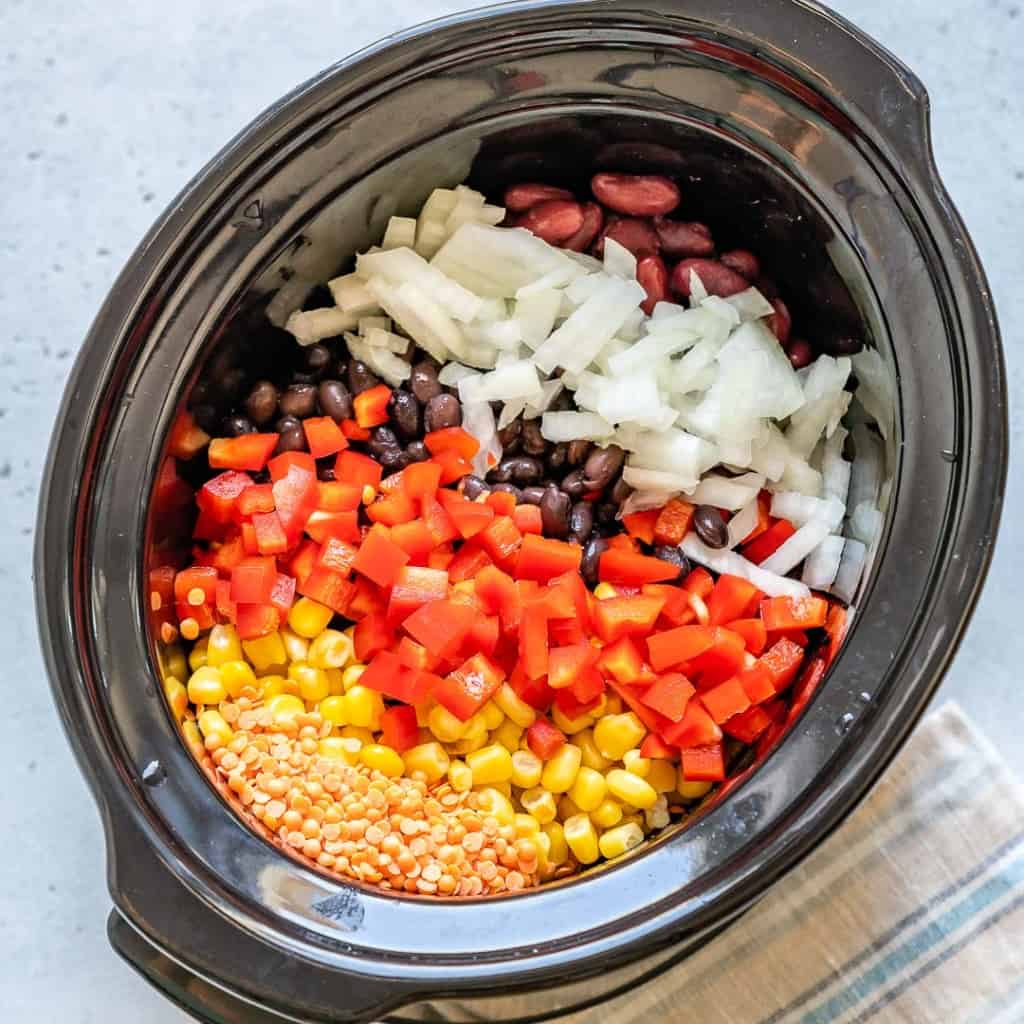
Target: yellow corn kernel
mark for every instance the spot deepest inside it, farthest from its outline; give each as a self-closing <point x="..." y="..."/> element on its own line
<point x="430" y="759"/>
<point x="633" y="819"/>
<point x="177" y="697"/>
<point x="581" y="838"/>
<point x="369" y="493"/>
<point x="605" y="590"/>
<point x="172" y="658"/>
<point x="600" y="708"/>
<point x="334" y="681"/>
<point x="444" y="725"/>
<point x="265" y="652"/>
<point x="350" y="677"/>
<point x="460" y="775"/>
<point x="382" y="759"/>
<point x="527" y="769"/>
<point x="612" y="704"/>
<point x="308" y="617"/>
<point x="496" y="804"/>
<point x="615" y="734"/>
<point x="567" y="808"/>
<point x="357" y="732"/>
<point x="662" y="775"/>
<point x="205" y="686"/>
<point x="332" y="709"/>
<point x="570" y="726"/>
<point x="193" y="738"/>
<point x="560" y="770"/>
<point x="609" y="813"/>
<point x="505" y="788"/>
<point x="617" y="841"/>
<point x="526" y="826"/>
<point x="236" y="676"/>
<point x="364" y="707"/>
<point x="285" y="705"/>
<point x="558" y="851"/>
<point x="631" y="788"/>
<point x="312" y="682"/>
<point x="330" y="649"/>
<point x="223" y="645"/>
<point x="508" y="734"/>
<point x="692" y="790"/>
<point x="592" y="757"/>
<point x="543" y="842"/>
<point x="513" y="707"/>
<point x="588" y="790"/>
<point x="490" y="765"/>
<point x="340" y="748"/>
<point x="296" y="647"/>
<point x="633" y="761"/>
<point x="271" y="686"/>
<point x="197" y="656"/>
<point x="492" y="715"/>
<point x="212" y="725"/>
<point x="469" y="744"/>
<point x="540" y="804"/>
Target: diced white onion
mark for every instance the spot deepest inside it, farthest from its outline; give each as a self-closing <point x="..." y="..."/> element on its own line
<point x="836" y="471"/>
<point x="851" y="568"/>
<point x="822" y="563"/>
<point x="420" y="317"/>
<point x="478" y="420"/>
<point x="513" y="380"/>
<point x="800" y="509"/>
<point x="401" y="233"/>
<point x="865" y="522"/>
<point x="313" y="325"/>
<point x="866" y="473"/>
<point x="618" y="260"/>
<point x="877" y="391"/>
<point x="351" y="295"/>
<point x="405" y="267"/>
<point x="644" y="501"/>
<point x="381" y="360"/>
<point x="751" y="305"/>
<point x="377" y="337"/>
<point x="656" y="480"/>
<point x="797" y="548"/>
<point x="571" y="426"/>
<point x="744" y="523"/>
<point x="734" y="564"/>
<point x="725" y="492"/>
<point x="510" y="411"/>
<point x="453" y="373"/>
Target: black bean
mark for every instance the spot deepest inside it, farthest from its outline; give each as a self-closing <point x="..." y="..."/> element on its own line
<point x="207" y="417"/>
<point x="334" y="399"/>
<point x="510" y="433"/>
<point x="578" y="452"/>
<point x="620" y="491"/>
<point x="520" y="469"/>
<point x="423" y="382"/>
<point x="710" y="526"/>
<point x="574" y="484"/>
<point x="406" y="413"/>
<point x="672" y="555"/>
<point x="286" y="422"/>
<point x="473" y="487"/>
<point x="591" y="562"/>
<point x="261" y="405"/>
<point x="236" y="426"/>
<point x="393" y="459"/>
<point x="382" y="439"/>
<point x="555" y="509"/>
<point x="442" y="411"/>
<point x="340" y="369"/>
<point x="563" y="402"/>
<point x="360" y="377"/>
<point x="203" y="393"/>
<point x="325" y="472"/>
<point x="299" y="401"/>
<point x="603" y="466"/>
<point x="533" y="439"/>
<point x="292" y="439"/>
<point x="852" y="383"/>
<point x="606" y="512"/>
<point x="507" y="489"/>
<point x="232" y="384"/>
<point x="532" y="495"/>
<point x="843" y="346"/>
<point x="316" y="359"/>
<point x="417" y="451"/>
<point x="301" y="377"/>
<point x="581" y="522"/>
<point x="558" y="457"/>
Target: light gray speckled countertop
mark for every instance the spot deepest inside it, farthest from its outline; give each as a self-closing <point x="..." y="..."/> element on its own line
<point x="107" y="109"/>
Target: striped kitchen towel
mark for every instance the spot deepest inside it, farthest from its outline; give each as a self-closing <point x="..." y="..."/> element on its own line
<point x="912" y="913"/>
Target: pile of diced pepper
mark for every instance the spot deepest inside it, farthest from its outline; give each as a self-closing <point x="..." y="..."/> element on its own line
<point x="419" y="691"/>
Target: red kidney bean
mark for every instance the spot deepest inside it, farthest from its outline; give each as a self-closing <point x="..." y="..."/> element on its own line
<point x="780" y="323"/>
<point x="767" y="287"/>
<point x="638" y="195"/>
<point x="593" y="221"/>
<point x="681" y="238"/>
<point x="554" y="221"/>
<point x="743" y="262"/>
<point x="800" y="353"/>
<point x="652" y="274"/>
<point x="630" y="232"/>
<point x="520" y="198"/>
<point x="716" y="278"/>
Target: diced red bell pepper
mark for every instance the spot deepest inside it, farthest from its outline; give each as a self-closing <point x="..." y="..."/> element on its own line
<point x="566" y="632"/>
<point x="673" y="523"/>
<point x="699" y="582"/>
<point x="253" y="579"/>
<point x="160" y="597"/>
<point x="372" y="636"/>
<point x="470" y="517"/>
<point x="616" y="617"/>
<point x="439" y="523"/>
<point x="544" y="739"/>
<point x="218" y="498"/>
<point x="186" y="439"/>
<point x="783" y="661"/>
<point x="697" y="728"/>
<point x="416" y="656"/>
<point x="321" y="526"/>
<point x="414" y="539"/>
<point x="528" y="519"/>
<point x="303" y="562"/>
<point x="533" y="641"/>
<point x="366" y="599"/>
<point x="622" y="660"/>
<point x="421" y="479"/>
<point x="755" y="636"/>
<point x="589" y="686"/>
<point x="641" y="524"/>
<point x="679" y="645"/>
<point x="282" y="597"/>
<point x="395" y="508"/>
<point x="810" y="679"/>
<point x="279" y="465"/>
<point x="386" y="673"/>
<point x="542" y="559"/>
<point x="414" y="587"/>
<point x="725" y="700"/>
<point x="249" y="451"/>
<point x="327" y="588"/>
<point x="452" y="439"/>
<point x="441" y="557"/>
<point x="722" y="660"/>
<point x="629" y="569"/>
<point x="393" y="482"/>
<point x="371" y="406"/>
<point x="571" y="587"/>
<point x="630" y="696"/>
<point x="764" y="519"/>
<point x="704" y="764"/>
<point x="337" y="556"/>
<point x="654" y="746"/>
<point x="769" y="542"/>
<point x="748" y="726"/>
<point x="484" y="636"/>
<point x="669" y="696"/>
<point x="441" y="626"/>
<point x="499" y="594"/>
<point x="677" y="610"/>
<point x="757" y="683"/>
<point x="227" y="555"/>
<point x="729" y="599"/>
<point x="258" y="498"/>
<point x="623" y="542"/>
<point x="355" y="468"/>
<point x="249" y="543"/>
<point x="270" y="536"/>
<point x="567" y="702"/>
<point x="558" y="601"/>
<point x="294" y="499"/>
<point x="338" y="496"/>
<point x="323" y="436"/>
<point x="196" y="577"/>
<point x="380" y="559"/>
<point x="567" y="664"/>
<point x="354" y="432"/>
<point x="255" y="620"/>
<point x="468" y="562"/>
<point x="453" y="467"/>
<point x="785" y="613"/>
<point x="399" y="729"/>
<point x="226" y="608"/>
<point x="466" y="690"/>
<point x="835" y="627"/>
<point x="501" y="540"/>
<point x="503" y="503"/>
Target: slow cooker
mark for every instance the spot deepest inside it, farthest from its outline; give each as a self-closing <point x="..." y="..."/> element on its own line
<point x="793" y="132"/>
